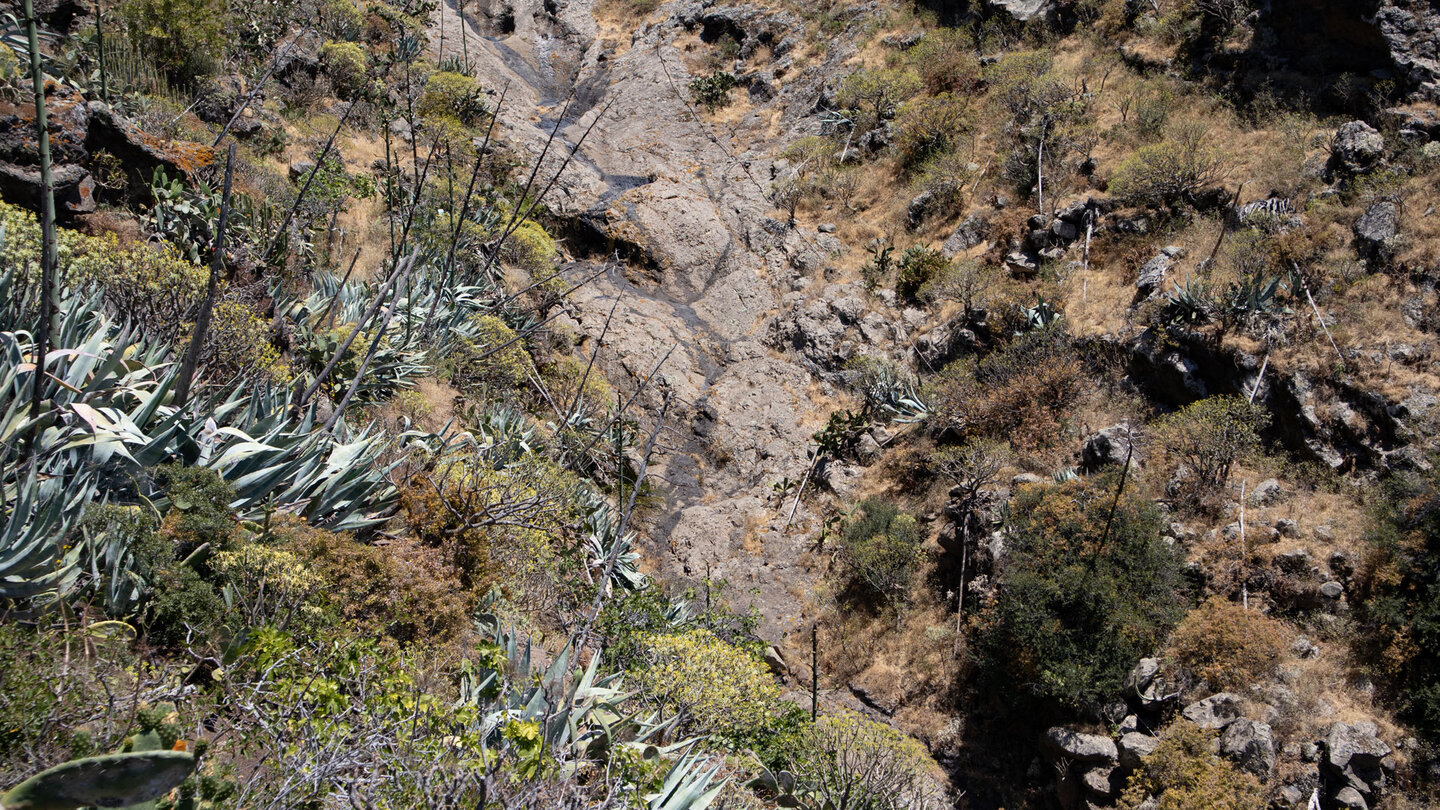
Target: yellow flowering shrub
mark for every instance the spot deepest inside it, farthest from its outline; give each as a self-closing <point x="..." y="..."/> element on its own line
<point x="271" y="585"/>
<point x="717" y="687"/>
<point x="451" y="95"/>
<point x="153" y="286"/>
<point x="480" y="364"/>
<point x="238" y="343"/>
<point x="530" y="247"/>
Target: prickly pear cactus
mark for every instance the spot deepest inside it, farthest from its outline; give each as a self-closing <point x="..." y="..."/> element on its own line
<point x="113" y="780"/>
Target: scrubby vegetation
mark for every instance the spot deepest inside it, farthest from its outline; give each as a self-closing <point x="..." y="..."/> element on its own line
<point x="845" y="406"/>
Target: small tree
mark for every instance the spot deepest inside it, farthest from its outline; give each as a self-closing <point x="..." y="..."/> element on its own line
<point x="1165" y="173"/>
<point x="881" y="547"/>
<point x="1204" y="440"/>
<point x="876" y="95"/>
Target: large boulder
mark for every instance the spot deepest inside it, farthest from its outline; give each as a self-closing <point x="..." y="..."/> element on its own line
<point x="1357" y="148"/>
<point x="1106" y="448"/>
<point x="74" y="188"/>
<point x="1022" y="10"/>
<point x="140" y="152"/>
<point x="1214" y="712"/>
<point x="1081" y="747"/>
<point x="1377" y="229"/>
<point x="1251" y="745"/>
<point x="1354" y="757"/>
<point x="1152" y="274"/>
<point x="970" y="233"/>
<point x="1134" y="747"/>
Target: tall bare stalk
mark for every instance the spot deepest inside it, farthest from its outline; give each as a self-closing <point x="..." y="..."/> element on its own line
<point x="217" y="265"/>
<point x="48" y="257"/>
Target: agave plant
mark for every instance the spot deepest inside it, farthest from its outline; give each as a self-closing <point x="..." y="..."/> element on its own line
<point x="580" y="716"/>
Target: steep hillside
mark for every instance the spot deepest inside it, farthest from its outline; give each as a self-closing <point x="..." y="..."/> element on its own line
<point x="622" y="403"/>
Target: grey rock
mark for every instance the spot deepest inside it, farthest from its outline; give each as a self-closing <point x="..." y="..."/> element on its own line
<point x="1022" y="10"/>
<point x="1266" y="492"/>
<point x="775" y="661"/>
<point x="1021" y="265"/>
<point x="1134" y="747"/>
<point x="1348" y="798"/>
<point x="1097" y="781"/>
<point x="1296" y="561"/>
<point x="1377" y="229"/>
<point x="73" y="187"/>
<point x="1064" y="231"/>
<point x="942" y="344"/>
<point x="919" y="208"/>
<point x="1152" y="275"/>
<point x="1354" y="755"/>
<point x="1214" y="712"/>
<point x="971" y="232"/>
<point x="1303" y="647"/>
<point x="1107" y="447"/>
<point x="826" y="227"/>
<point x="1357" y="147"/>
<point x="1026" y="478"/>
<point x="1251" y="745"/>
<point x="1079" y="746"/>
<point x="1287" y="527"/>
<point x="1332" y="590"/>
<point x="400" y="128"/>
<point x="867" y="450"/>
<point x="300" y="168"/>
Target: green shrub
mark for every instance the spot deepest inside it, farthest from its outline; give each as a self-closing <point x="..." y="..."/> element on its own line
<point x="345" y="64"/>
<point x="881" y="548"/>
<point x="1184" y="773"/>
<point x="452" y="95"/>
<point x="1400" y="600"/>
<point x="919" y="265"/>
<point x="199" y="507"/>
<point x="184" y="38"/>
<point x="1076" y="607"/>
<point x="1164" y="174"/>
<point x="183" y="608"/>
<point x="947" y="62"/>
<point x="930" y="125"/>
<point x="716" y="687"/>
<point x="712" y="92"/>
<point x="531" y="248"/>
<point x="1204" y="440"/>
<point x="342" y="19"/>
<point x="493" y="361"/>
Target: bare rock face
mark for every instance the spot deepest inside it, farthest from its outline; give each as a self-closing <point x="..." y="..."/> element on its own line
<point x="1411" y="29"/>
